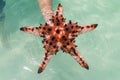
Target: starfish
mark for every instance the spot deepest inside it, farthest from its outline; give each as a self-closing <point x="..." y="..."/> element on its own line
<point x="59" y="35"/>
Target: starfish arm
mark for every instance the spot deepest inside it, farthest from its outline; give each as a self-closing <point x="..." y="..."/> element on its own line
<point x="87" y="28"/>
<point x="50" y="49"/>
<point x="70" y="48"/>
<point x="59" y="10"/>
<point x="46" y="59"/>
<point x="31" y="30"/>
<point x="76" y="55"/>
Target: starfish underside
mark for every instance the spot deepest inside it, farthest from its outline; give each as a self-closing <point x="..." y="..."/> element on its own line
<point x="59" y="35"/>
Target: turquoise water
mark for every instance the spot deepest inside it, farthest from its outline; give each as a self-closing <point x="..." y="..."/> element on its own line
<point x="21" y="53"/>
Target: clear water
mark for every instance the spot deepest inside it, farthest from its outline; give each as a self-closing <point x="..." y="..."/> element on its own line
<point x="21" y="53"/>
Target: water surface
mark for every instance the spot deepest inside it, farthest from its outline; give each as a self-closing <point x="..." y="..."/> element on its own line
<point x="21" y="53"/>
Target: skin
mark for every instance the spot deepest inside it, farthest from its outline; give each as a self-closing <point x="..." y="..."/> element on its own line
<point x="46" y="9"/>
<point x="59" y="35"/>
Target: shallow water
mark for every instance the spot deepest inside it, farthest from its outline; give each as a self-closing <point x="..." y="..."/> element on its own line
<point x="21" y="53"/>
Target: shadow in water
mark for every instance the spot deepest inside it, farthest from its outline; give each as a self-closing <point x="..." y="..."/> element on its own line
<point x="3" y="38"/>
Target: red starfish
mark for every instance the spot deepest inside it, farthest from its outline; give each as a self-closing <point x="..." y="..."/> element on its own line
<point x="59" y="35"/>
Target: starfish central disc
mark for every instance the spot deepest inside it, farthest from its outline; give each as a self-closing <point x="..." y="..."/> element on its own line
<point x="58" y="32"/>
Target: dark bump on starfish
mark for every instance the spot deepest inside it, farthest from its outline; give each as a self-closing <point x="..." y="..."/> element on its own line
<point x="54" y="46"/>
<point x="41" y="35"/>
<point x="80" y="59"/>
<point x="72" y="35"/>
<point x="61" y="48"/>
<point x="62" y="19"/>
<point x="73" y="39"/>
<point x="22" y="29"/>
<point x="56" y="13"/>
<point x="76" y="31"/>
<point x="40" y="70"/>
<point x="72" y="27"/>
<point x="61" y="15"/>
<point x="69" y="51"/>
<point x="53" y="38"/>
<point x="46" y="42"/>
<point x="43" y="32"/>
<point x="48" y="50"/>
<point x="68" y="43"/>
<point x="46" y="55"/>
<point x="72" y="48"/>
<point x="88" y="26"/>
<point x="45" y="58"/>
<point x="64" y="38"/>
<point x="42" y="41"/>
<point x="39" y="27"/>
<point x="65" y="25"/>
<point x="58" y="31"/>
<point x="75" y="45"/>
<point x="76" y="35"/>
<point x="44" y="46"/>
<point x="83" y="62"/>
<point x="77" y="26"/>
<point x="95" y="25"/>
<point x="87" y="67"/>
<point x="25" y="29"/>
<point x="52" y="20"/>
<point x="59" y="4"/>
<point x="50" y="43"/>
<point x="49" y="29"/>
<point x="70" y="21"/>
<point x="73" y="31"/>
<point x="46" y="24"/>
<point x="43" y="62"/>
<point x="57" y="20"/>
<point x="52" y="16"/>
<point x="66" y="29"/>
<point x="36" y="27"/>
<point x="57" y="23"/>
<point x="56" y="51"/>
<point x="74" y="51"/>
<point x="44" y="28"/>
<point x="32" y="29"/>
<point x="58" y="8"/>
<point x="64" y="46"/>
<point x="82" y="27"/>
